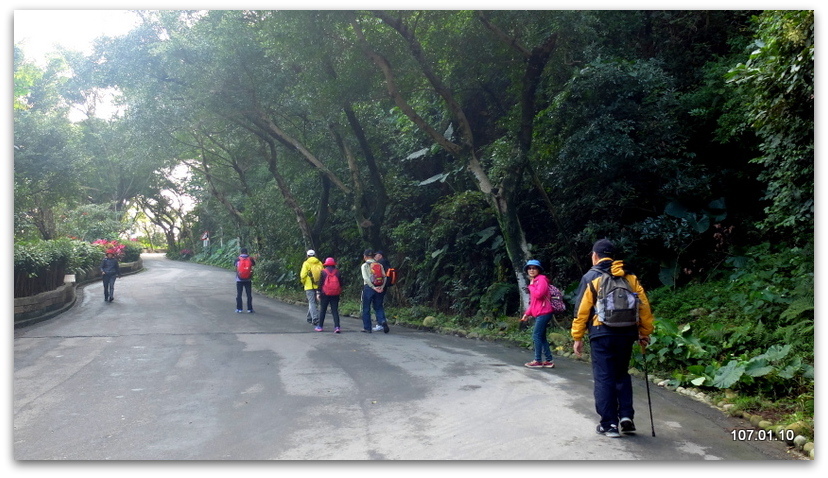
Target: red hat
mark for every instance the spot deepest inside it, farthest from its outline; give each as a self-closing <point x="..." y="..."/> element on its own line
<point x="111" y="251"/>
<point x="329" y="262"/>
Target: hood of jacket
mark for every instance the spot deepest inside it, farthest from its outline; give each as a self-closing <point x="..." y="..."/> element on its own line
<point x="313" y="261"/>
<point x="611" y="266"/>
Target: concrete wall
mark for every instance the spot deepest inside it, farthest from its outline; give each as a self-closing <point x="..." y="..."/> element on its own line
<point x="44" y="306"/>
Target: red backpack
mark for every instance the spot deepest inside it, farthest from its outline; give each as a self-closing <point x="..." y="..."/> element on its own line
<point x="377" y="274"/>
<point x="331" y="286"/>
<point x="244" y="267"/>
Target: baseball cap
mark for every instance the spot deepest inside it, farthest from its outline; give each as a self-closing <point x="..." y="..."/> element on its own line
<point x="604" y="247"/>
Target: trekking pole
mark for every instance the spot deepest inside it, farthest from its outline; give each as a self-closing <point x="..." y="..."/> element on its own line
<point x="647" y="383"/>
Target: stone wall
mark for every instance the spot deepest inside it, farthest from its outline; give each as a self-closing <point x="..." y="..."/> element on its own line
<point x="44" y="306"/>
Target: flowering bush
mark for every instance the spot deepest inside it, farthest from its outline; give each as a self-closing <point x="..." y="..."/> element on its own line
<point x="129" y="252"/>
<point x="111" y="246"/>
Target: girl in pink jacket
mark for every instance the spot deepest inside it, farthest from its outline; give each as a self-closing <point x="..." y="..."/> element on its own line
<point x="540" y="307"/>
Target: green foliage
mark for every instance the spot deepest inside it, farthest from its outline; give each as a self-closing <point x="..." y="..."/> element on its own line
<point x="220" y="256"/>
<point x="90" y="222"/>
<point x="132" y="251"/>
<point x="777" y="86"/>
<point x="40" y="266"/>
<point x="752" y="332"/>
<point x="773" y="374"/>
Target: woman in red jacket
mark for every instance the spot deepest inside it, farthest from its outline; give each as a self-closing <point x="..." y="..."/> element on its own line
<point x="540" y="307"/>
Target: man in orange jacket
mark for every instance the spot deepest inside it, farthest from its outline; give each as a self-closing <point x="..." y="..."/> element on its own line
<point x="610" y="347"/>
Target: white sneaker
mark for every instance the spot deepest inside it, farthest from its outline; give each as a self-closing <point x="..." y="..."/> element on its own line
<point x="377" y="328"/>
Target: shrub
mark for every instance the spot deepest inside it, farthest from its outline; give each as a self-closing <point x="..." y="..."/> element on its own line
<point x="40" y="266"/>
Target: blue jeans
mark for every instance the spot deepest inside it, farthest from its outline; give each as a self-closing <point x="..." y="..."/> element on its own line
<point x="333" y="300"/>
<point x="244" y="286"/>
<point x="371" y="298"/>
<point x="539" y="338"/>
<point x="610" y="371"/>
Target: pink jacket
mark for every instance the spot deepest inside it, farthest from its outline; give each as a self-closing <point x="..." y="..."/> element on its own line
<point x="539" y="303"/>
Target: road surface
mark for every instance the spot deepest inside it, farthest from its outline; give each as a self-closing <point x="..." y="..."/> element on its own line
<point x="169" y="371"/>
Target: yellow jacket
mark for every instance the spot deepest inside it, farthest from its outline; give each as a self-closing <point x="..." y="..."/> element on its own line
<point x="586" y="318"/>
<point x="310" y="273"/>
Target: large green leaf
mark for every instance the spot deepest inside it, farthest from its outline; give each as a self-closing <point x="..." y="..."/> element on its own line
<point x="675" y="209"/>
<point x="728" y="375"/>
<point x="758" y="368"/>
<point x="777" y="352"/>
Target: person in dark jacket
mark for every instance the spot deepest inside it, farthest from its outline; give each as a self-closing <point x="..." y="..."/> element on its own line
<point x="109" y="272"/>
<point x="326" y="298"/>
<point x="245" y="285"/>
<point x="610" y="347"/>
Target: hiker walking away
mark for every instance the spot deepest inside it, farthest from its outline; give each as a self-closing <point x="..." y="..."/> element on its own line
<point x="330" y="287"/>
<point x="244" y="280"/>
<point x="379" y="256"/>
<point x="540" y="307"/>
<point x="373" y="279"/>
<point x="612" y="333"/>
<point x="309" y="277"/>
<point x="109" y="271"/>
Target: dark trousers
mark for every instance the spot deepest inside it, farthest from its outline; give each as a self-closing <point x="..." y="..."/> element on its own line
<point x="108" y="285"/>
<point x="610" y="370"/>
<point x="247" y="286"/>
<point x="324" y="301"/>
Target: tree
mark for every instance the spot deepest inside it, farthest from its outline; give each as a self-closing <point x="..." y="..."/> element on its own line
<point x="47" y="155"/>
<point x="777" y="86"/>
<point x="425" y="39"/>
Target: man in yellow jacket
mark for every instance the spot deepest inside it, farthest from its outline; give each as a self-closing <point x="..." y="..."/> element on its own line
<point x="309" y="276"/>
<point x="610" y="346"/>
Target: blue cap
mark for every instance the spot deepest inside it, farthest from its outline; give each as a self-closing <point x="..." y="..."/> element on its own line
<point x="533" y="262"/>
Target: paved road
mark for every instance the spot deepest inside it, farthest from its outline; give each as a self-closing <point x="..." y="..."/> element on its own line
<point x="170" y="372"/>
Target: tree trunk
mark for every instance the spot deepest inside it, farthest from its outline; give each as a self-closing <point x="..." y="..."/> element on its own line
<point x="502" y="198"/>
<point x="378" y="203"/>
<point x="308" y="235"/>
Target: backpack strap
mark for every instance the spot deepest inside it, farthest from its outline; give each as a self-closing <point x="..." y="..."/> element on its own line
<point x="589" y="283"/>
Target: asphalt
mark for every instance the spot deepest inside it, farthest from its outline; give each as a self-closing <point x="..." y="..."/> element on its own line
<point x="168" y="371"/>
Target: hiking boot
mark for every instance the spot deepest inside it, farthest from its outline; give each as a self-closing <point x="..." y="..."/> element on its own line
<point x="627" y="425"/>
<point x="238" y="311"/>
<point x="611" y="432"/>
<point x="377" y="328"/>
<point x="549" y="364"/>
<point x="250" y="311"/>
<point x="385" y="327"/>
<point x="337" y="330"/>
<point x="534" y="364"/>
